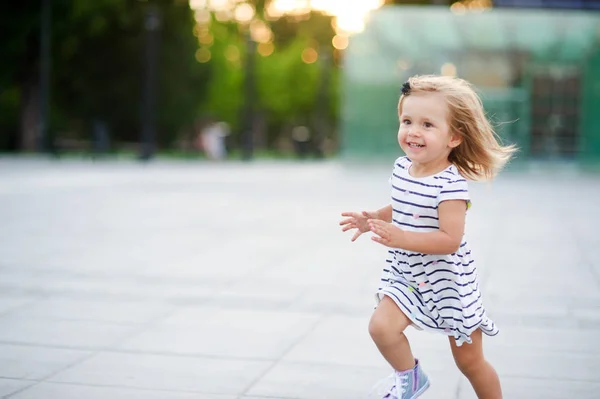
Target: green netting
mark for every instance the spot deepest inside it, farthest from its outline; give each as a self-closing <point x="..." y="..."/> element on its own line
<point x="538" y="73"/>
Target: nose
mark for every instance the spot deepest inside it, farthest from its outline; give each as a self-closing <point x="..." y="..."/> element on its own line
<point x="413" y="131"/>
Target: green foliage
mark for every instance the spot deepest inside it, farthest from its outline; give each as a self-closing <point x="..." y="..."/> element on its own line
<point x="225" y="89"/>
<point x="183" y="81"/>
<point x="287" y="87"/>
<point x="20" y="37"/>
<point x="103" y="78"/>
<point x="97" y="67"/>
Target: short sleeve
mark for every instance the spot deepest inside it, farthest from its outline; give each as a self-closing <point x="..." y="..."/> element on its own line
<point x="455" y="188"/>
<point x="399" y="163"/>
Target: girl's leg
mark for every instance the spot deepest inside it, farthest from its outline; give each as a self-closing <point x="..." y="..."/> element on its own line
<point x="482" y="376"/>
<point x="386" y="328"/>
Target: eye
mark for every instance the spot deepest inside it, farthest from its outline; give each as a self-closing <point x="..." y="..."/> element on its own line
<point x="427" y="124"/>
<point x="406" y="122"/>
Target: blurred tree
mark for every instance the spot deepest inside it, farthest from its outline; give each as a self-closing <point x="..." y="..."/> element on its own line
<point x="19" y="78"/>
<point x="97" y="68"/>
<point x="249" y="111"/>
<point x="225" y="50"/>
<point x="288" y="83"/>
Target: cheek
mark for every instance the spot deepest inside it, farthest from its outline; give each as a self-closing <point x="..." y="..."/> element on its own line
<point x="401" y="134"/>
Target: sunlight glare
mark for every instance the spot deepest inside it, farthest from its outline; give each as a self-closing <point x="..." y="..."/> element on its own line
<point x="287" y="6"/>
<point x="244" y="13"/>
<point x="265" y="49"/>
<point x="349" y="15"/>
<point x="196" y="4"/>
<point x="220" y="4"/>
<point x="340" y="42"/>
<point x="260" y="32"/>
<point x="310" y="55"/>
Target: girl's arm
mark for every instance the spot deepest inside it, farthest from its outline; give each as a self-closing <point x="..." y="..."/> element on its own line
<point x="385" y="213"/>
<point x="444" y="241"/>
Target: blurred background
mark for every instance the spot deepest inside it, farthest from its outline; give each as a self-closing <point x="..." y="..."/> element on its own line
<point x="218" y="270"/>
<point x="231" y="79"/>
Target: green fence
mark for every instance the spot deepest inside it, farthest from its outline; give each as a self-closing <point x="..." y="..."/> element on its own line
<point x="538" y="72"/>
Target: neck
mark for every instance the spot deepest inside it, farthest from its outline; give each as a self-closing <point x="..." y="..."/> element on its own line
<point x="429" y="168"/>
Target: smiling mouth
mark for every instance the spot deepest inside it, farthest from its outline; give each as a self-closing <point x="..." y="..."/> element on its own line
<point x="415" y="145"/>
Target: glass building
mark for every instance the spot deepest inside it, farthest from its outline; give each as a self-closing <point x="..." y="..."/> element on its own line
<point x="538" y="72"/>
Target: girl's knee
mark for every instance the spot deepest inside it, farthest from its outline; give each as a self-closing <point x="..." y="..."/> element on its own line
<point x="384" y="329"/>
<point x="388" y="322"/>
<point x="378" y="328"/>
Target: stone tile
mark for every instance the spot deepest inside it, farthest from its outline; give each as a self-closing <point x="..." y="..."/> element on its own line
<point x="292" y="268"/>
<point x="545" y="365"/>
<point x="101" y="310"/>
<point x="549" y="389"/>
<point x="531" y="388"/>
<point x="586" y="314"/>
<point x="170" y="373"/>
<point x="358" y="302"/>
<point x="338" y="341"/>
<point x="118" y="289"/>
<point x="46" y="390"/>
<point x="257" y="293"/>
<point x="12" y="302"/>
<point x="585" y="287"/>
<point x="225" y="332"/>
<point x="310" y="381"/>
<point x="525" y="320"/>
<point x="532" y="340"/>
<point x="305" y="271"/>
<point x="9" y="386"/>
<point x="536" y="307"/>
<point x="66" y="333"/>
<point x="443" y="386"/>
<point x="35" y="362"/>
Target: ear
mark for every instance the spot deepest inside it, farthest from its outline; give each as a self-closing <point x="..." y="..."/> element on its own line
<point x="455" y="140"/>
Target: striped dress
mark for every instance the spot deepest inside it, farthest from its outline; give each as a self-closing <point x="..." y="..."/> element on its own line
<point x="438" y="293"/>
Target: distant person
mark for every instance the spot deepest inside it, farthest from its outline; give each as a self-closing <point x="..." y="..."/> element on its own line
<point x="213" y="140"/>
<point x="430" y="279"/>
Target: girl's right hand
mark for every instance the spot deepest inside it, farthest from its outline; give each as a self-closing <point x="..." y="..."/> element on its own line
<point x="358" y="221"/>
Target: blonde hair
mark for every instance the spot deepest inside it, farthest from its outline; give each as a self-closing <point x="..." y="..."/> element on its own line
<point x="480" y="155"/>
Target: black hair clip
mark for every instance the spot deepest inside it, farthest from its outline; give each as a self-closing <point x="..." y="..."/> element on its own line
<point x="406" y="89"/>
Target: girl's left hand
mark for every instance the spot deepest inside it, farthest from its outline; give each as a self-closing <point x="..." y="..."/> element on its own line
<point x="386" y="233"/>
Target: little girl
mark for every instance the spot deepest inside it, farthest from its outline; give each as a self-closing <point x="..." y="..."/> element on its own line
<point x="430" y="279"/>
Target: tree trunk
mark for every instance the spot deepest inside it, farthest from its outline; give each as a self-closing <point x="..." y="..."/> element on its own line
<point x="321" y="123"/>
<point x="30" y="114"/>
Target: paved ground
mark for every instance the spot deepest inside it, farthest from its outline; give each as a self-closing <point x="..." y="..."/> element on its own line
<point x="183" y="280"/>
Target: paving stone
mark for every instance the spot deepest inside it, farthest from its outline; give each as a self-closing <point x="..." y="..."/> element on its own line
<point x="184" y="279"/>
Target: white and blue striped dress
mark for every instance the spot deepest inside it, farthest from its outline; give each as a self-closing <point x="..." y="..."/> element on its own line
<point x="438" y="293"/>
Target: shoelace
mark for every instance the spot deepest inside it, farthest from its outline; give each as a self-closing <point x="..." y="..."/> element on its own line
<point x="391" y="393"/>
<point x="399" y="387"/>
<point x="403" y="383"/>
<point x="384" y="389"/>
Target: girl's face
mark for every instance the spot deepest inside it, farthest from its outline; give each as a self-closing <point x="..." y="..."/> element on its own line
<point x="424" y="133"/>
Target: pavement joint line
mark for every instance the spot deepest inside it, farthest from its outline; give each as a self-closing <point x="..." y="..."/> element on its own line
<point x="284" y="353"/>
